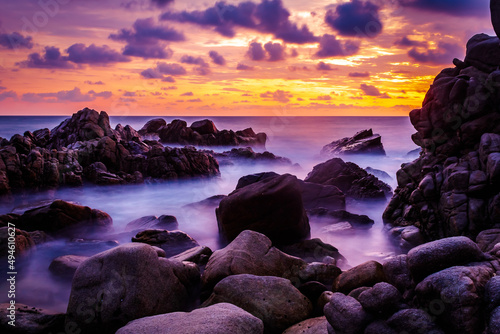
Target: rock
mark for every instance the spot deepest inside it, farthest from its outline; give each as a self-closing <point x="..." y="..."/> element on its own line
<point x="349" y="178"/>
<point x="248" y="155"/>
<point x="274" y="300"/>
<point x="324" y="273"/>
<point x="309" y="326"/>
<point x="413" y="321"/>
<point x="126" y="283"/>
<point x="397" y="273"/>
<point x="254" y="178"/>
<point x="152" y="222"/>
<point x="272" y="206"/>
<point x="487" y="239"/>
<point x="250" y="253"/>
<point x="313" y="291"/>
<point x="313" y="250"/>
<point x="382" y="298"/>
<point x="23" y="242"/>
<point x="65" y="266"/>
<point x="204" y="127"/>
<point x="215" y="319"/>
<point x="365" y="274"/>
<point x="65" y="217"/>
<point x="339" y="216"/>
<point x="363" y="142"/>
<point x="172" y="242"/>
<point x="379" y="327"/>
<point x="380" y="174"/>
<point x="198" y="255"/>
<point x="126" y="133"/>
<point x="492" y="293"/>
<point x="482" y="52"/>
<point x="458" y="291"/>
<point x="437" y="255"/>
<point x="345" y="314"/>
<point x="210" y="202"/>
<point x="30" y="320"/>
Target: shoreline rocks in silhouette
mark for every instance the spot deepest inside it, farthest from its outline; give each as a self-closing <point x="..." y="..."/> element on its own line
<point x="166" y="222"/>
<point x="172" y="242"/>
<point x="31" y="320"/>
<point x="363" y="142"/>
<point x="452" y="188"/>
<point x="247" y="154"/>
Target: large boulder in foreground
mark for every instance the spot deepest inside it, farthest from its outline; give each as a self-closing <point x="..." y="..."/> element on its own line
<point x="363" y="142"/>
<point x="65" y="217"/>
<point x="354" y="181"/>
<point x="272" y="206"/>
<point x="250" y="253"/>
<point x="126" y="283"/>
<point x="215" y="319"/>
<point x="365" y="274"/>
<point x="345" y="314"/>
<point x="274" y="300"/>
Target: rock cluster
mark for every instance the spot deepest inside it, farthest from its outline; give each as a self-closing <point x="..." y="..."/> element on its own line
<point x="363" y="142"/>
<point x="453" y="188"/>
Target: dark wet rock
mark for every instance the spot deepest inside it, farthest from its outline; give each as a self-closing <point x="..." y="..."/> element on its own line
<point x="413" y="321"/>
<point x="128" y="282"/>
<point x="452" y="188"/>
<point x="274" y="300"/>
<point x="460" y="289"/>
<point x="198" y="255"/>
<point x="24" y="243"/>
<point x="272" y="206"/>
<point x="152" y="222"/>
<point x="30" y="320"/>
<point x="325" y="273"/>
<point x="313" y="250"/>
<point x="65" y="266"/>
<point x="250" y="253"/>
<point x="382" y="298"/>
<point x="247" y="154"/>
<point x="215" y="319"/>
<point x="126" y="133"/>
<point x="363" y="142"/>
<point x="150" y="129"/>
<point x="379" y="327"/>
<point x="172" y="242"/>
<point x="380" y="174"/>
<point x="254" y="178"/>
<point x="397" y="273"/>
<point x="65" y="217"/>
<point x="345" y="314"/>
<point x="358" y="291"/>
<point x="437" y="255"/>
<point x="486" y="240"/>
<point x="365" y="274"/>
<point x="309" y="326"/>
<point x="204" y="127"/>
<point x="313" y="291"/>
<point x="494" y="322"/>
<point x="407" y="237"/>
<point x="210" y="202"/>
<point x="492" y="293"/>
<point x="414" y="153"/>
<point x="354" y="181"/>
<point x="338" y="216"/>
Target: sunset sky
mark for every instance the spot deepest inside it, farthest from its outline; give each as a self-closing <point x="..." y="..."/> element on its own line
<point x="258" y="57"/>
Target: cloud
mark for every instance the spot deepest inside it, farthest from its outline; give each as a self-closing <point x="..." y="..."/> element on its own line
<point x="74" y="95"/>
<point x="451" y="7"/>
<point x="279" y="95"/>
<point x="330" y="46"/>
<point x="164" y="71"/>
<point x="8" y="94"/>
<point x="88" y="82"/>
<point x="96" y="55"/>
<point x="444" y="54"/>
<point x="161" y="3"/>
<point x="322" y="98"/>
<point x="15" y="40"/>
<point x="193" y="60"/>
<point x="359" y="74"/>
<point x="147" y="40"/>
<point x="355" y="18"/>
<point x="322" y="66"/>
<point x="187" y="94"/>
<point x="273" y="51"/>
<point x="256" y="51"/>
<point x="267" y="17"/>
<point x="243" y="67"/>
<point x="169" y="88"/>
<point x="129" y="94"/>
<point x="217" y="58"/>
<point x="51" y="59"/>
<point x="405" y="41"/>
<point x="194" y="100"/>
<point x="168" y="79"/>
<point x="370" y="90"/>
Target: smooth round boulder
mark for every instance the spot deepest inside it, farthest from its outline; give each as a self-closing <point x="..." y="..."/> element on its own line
<point x="413" y="321"/>
<point x="345" y="314"/>
<point x="365" y="274"/>
<point x="215" y="319"/>
<point x="309" y="326"/>
<point x="126" y="283"/>
<point x="65" y="266"/>
<point x="274" y="300"/>
<point x="437" y="255"/>
<point x="204" y="127"/>
<point x="382" y="298"/>
<point x="272" y="206"/>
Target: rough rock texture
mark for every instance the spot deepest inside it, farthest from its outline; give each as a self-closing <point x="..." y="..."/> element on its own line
<point x="198" y="255"/>
<point x="272" y="206"/>
<point x="30" y="320"/>
<point x="126" y="283"/>
<point x="24" y="243"/>
<point x="215" y="319"/>
<point x="363" y="142"/>
<point x="152" y="222"/>
<point x="313" y="250"/>
<point x="309" y="326"/>
<point x="247" y="154"/>
<point x="250" y="253"/>
<point x="65" y="266"/>
<point x="350" y="178"/>
<point x="274" y="300"/>
<point x="452" y="188"/>
<point x="365" y="274"/>
<point x="345" y="314"/>
<point x="172" y="242"/>
<point x="382" y="298"/>
<point x="414" y="321"/>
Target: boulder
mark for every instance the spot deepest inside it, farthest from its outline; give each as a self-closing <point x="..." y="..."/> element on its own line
<point x="215" y="319"/>
<point x="151" y="128"/>
<point x="379" y="327"/>
<point x="437" y="255"/>
<point x="363" y="142"/>
<point x="254" y="178"/>
<point x="152" y="222"/>
<point x="313" y="250"/>
<point x="272" y="206"/>
<point x="382" y="298"/>
<point x="198" y="255"/>
<point x="309" y="326"/>
<point x="204" y="127"/>
<point x="250" y="253"/>
<point x="397" y="273"/>
<point x="345" y="315"/>
<point x="65" y="266"/>
<point x="492" y="293"/>
<point x="494" y="322"/>
<point x="172" y="242"/>
<point x="487" y="239"/>
<point x="126" y="133"/>
<point x="365" y="274"/>
<point x="413" y="321"/>
<point x="274" y="300"/>
<point x="341" y="216"/>
<point x="352" y="180"/>
<point x="24" y="243"/>
<point x="126" y="283"/>
<point x="30" y="320"/>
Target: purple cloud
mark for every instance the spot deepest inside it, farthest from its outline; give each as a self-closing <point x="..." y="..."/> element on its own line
<point x="451" y="7"/>
<point x="405" y="41"/>
<point x="88" y="82"/>
<point x="51" y="59"/>
<point x="15" y="40"/>
<point x="355" y="18"/>
<point x="279" y="95"/>
<point x="193" y="60"/>
<point x="164" y="71"/>
<point x="330" y="46"/>
<point x="187" y="94"/>
<point x="370" y="90"/>
<point x="95" y="55"/>
<point x="243" y="67"/>
<point x="217" y="58"/>
<point x="322" y="66"/>
<point x="8" y="94"/>
<point x="444" y="54"/>
<point x="74" y="95"/>
<point x="359" y="74"/>
<point x="161" y="3"/>
<point x="276" y="51"/>
<point x="256" y="51"/>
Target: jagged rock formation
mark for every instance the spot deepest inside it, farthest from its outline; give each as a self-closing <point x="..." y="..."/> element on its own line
<point x="453" y="188"/>
<point x="363" y="142"/>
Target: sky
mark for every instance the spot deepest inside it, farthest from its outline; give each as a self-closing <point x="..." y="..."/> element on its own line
<point x="251" y="57"/>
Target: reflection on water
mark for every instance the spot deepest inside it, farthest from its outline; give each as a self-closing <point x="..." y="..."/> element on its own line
<point x="300" y="139"/>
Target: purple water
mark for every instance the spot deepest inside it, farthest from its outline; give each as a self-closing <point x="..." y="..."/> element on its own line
<point x="297" y="138"/>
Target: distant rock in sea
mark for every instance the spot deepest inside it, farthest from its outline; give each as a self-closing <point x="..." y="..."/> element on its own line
<point x="363" y="142"/>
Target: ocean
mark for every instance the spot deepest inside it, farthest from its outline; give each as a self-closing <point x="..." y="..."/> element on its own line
<point x="298" y="138"/>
